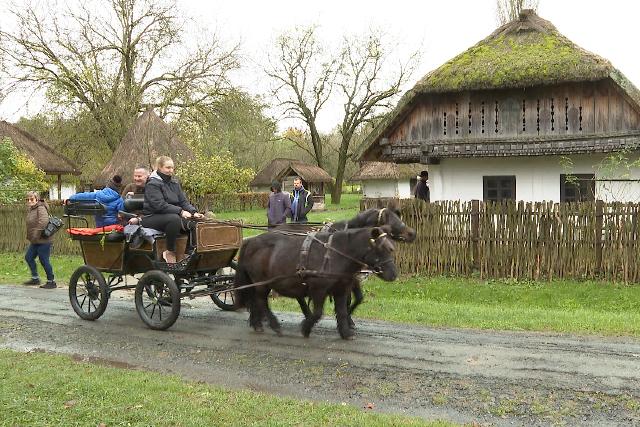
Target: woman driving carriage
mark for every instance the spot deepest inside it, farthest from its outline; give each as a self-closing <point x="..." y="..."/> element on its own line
<point x="166" y="207"/>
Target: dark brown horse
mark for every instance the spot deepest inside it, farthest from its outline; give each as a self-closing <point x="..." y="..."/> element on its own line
<point x="398" y="231"/>
<point x="314" y="266"/>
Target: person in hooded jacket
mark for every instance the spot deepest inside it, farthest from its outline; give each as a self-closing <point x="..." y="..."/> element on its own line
<point x="39" y="247"/>
<point x="109" y="197"/>
<point x="166" y="207"/>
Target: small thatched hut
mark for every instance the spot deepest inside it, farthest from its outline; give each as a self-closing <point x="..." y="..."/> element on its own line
<point x="285" y="170"/>
<point x="385" y="179"/>
<point x="148" y="138"/>
<point x="44" y="157"/>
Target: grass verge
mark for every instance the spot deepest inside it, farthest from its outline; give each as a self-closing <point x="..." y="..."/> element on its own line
<point x="559" y="306"/>
<point x="14" y="270"/>
<point x="43" y="389"/>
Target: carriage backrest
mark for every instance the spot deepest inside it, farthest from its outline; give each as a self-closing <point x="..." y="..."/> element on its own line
<point x="84" y="208"/>
<point x="133" y="204"/>
<point x="215" y="236"/>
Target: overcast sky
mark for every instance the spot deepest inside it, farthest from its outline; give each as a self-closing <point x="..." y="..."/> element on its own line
<point x="439" y="29"/>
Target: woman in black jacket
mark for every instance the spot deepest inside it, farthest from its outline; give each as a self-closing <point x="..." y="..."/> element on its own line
<point x="165" y="205"/>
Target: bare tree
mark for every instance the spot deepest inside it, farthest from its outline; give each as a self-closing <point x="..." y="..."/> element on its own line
<point x="365" y="90"/>
<point x="113" y="61"/>
<point x="304" y="76"/>
<point x="508" y="10"/>
<point x="307" y="77"/>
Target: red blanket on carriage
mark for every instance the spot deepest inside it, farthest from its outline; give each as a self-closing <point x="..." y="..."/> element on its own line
<point x="84" y="231"/>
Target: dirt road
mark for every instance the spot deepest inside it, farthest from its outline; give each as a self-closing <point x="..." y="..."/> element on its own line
<point x="493" y="378"/>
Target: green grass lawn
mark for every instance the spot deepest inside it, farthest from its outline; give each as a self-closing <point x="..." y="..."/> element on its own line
<point x="41" y="389"/>
<point x="14" y="270"/>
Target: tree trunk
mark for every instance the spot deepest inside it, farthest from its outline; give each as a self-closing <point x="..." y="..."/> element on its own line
<point x="336" y="194"/>
<point x="316" y="142"/>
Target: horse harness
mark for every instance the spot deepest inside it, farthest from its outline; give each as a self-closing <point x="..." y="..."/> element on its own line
<point x="302" y="271"/>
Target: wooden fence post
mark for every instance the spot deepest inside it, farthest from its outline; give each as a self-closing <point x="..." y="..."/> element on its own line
<point x="598" y="231"/>
<point x="475" y="232"/>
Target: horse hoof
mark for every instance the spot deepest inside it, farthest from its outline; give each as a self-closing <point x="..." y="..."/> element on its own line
<point x="258" y="329"/>
<point x="347" y="335"/>
<point x="278" y="332"/>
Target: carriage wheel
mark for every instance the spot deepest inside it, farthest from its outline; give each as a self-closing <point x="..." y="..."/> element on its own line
<point x="88" y="293"/>
<point x="224" y="299"/>
<point x="157" y="300"/>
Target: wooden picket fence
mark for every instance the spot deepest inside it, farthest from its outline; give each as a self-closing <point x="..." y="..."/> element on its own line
<point x="521" y="240"/>
<point x="490" y="240"/>
<point x="13" y="231"/>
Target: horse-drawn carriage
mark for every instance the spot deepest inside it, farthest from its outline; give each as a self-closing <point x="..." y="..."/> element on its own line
<point x="317" y="266"/>
<point x="109" y="259"/>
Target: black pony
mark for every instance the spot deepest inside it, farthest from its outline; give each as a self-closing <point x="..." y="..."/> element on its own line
<point x="398" y="230"/>
<point x="314" y="266"/>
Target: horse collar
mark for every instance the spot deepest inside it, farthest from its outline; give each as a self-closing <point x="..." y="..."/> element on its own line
<point x="380" y="216"/>
<point x="304" y="251"/>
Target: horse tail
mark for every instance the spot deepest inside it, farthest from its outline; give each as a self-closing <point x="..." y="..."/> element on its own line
<point x="242" y="297"/>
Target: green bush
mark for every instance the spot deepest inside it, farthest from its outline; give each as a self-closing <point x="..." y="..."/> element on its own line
<point x="18" y="174"/>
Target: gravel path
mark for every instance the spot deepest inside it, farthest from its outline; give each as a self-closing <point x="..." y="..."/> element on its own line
<point x="487" y="377"/>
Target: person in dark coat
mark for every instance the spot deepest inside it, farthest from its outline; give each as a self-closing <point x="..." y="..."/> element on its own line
<point x="422" y="187"/>
<point x="39" y="247"/>
<point x="166" y="207"/>
<point x="109" y="197"/>
<point x="278" y="206"/>
<point x="301" y="202"/>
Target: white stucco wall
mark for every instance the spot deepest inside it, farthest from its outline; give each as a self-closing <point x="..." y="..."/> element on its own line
<point x="379" y="188"/>
<point x="386" y="188"/>
<point x="67" y="191"/>
<point x="537" y="178"/>
<point x="404" y="189"/>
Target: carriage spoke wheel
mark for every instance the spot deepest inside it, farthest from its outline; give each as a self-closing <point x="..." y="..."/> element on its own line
<point x="88" y="293"/>
<point x="157" y="300"/>
<point x="224" y="299"/>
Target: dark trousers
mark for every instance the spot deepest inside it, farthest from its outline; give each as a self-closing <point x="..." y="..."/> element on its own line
<point x="172" y="225"/>
<point x="41" y="251"/>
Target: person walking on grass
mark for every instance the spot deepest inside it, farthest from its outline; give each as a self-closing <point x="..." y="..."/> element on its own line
<point x="278" y="206"/>
<point x="39" y="247"/>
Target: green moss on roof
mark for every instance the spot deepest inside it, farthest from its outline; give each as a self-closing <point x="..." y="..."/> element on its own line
<point x="526" y="52"/>
<point x="523" y="53"/>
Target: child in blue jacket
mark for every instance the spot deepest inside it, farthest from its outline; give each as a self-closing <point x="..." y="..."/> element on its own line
<point x="109" y="197"/>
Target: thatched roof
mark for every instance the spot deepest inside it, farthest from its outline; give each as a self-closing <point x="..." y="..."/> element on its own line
<point x="387" y="170"/>
<point x="523" y="53"/>
<point x="44" y="157"/>
<point x="148" y="138"/>
<point x="306" y="171"/>
<point x="279" y="168"/>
